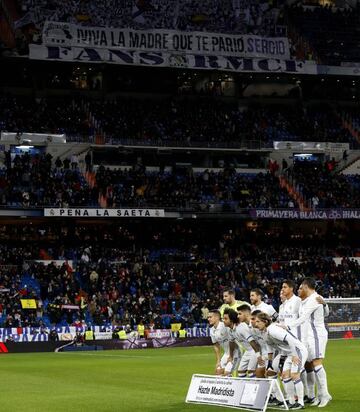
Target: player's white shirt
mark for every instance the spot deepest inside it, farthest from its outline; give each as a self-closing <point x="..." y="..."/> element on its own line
<point x="242" y="334"/>
<point x="220" y="335"/>
<point x="264" y="307"/>
<point x="281" y="317"/>
<point x="311" y="319"/>
<point x="289" y="311"/>
<point x="260" y="339"/>
<point x="283" y="340"/>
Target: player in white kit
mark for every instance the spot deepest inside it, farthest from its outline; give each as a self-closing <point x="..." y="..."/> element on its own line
<point x="220" y="338"/>
<point x="240" y="333"/>
<point x="296" y="354"/>
<point x="276" y="361"/>
<point x="245" y="315"/>
<point x="289" y="309"/>
<point x="288" y="312"/>
<point x="256" y="296"/>
<point x="311" y="319"/>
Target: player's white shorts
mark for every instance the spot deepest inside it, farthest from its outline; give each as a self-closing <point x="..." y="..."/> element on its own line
<point x="230" y="366"/>
<point x="278" y="362"/>
<point x="290" y="366"/>
<point x="248" y="361"/>
<point x="316" y="347"/>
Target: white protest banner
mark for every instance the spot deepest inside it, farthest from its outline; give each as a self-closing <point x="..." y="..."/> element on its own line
<point x="173" y="60"/>
<point x="168" y="41"/>
<point x="82" y="212"/>
<point x="239" y="393"/>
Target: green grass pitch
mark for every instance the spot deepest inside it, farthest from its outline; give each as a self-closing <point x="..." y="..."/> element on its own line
<point x="154" y="380"/>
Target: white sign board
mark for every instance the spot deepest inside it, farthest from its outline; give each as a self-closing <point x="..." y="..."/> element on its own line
<point x="310" y="146"/>
<point x="54" y="212"/>
<point x="239" y="393"/>
<point x="32" y="138"/>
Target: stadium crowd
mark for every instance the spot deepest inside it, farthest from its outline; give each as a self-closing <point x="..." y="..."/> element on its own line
<point x="324" y="189"/>
<point x="252" y="16"/>
<point x="182" y="121"/>
<point x="332" y="41"/>
<point x="331" y="31"/>
<point x="29" y="181"/>
<point x="41" y="115"/>
<point x="199" y="121"/>
<point x="183" y="189"/>
<point x="172" y="273"/>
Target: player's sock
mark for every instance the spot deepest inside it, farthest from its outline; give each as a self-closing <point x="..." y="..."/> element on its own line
<point x="311" y="384"/>
<point x="275" y="391"/>
<point x="303" y="377"/>
<point x="284" y="388"/>
<point x="321" y="380"/>
<point x="299" y="389"/>
<point x="290" y="390"/>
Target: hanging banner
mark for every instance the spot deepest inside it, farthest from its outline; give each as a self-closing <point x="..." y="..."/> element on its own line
<point x="162" y="59"/>
<point x="319" y="214"/>
<point x="168" y="41"/>
<point x="104" y="212"/>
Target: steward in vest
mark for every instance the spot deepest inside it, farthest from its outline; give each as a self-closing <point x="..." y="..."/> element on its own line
<point x="141" y="329"/>
<point x="122" y="334"/>
<point x="182" y="333"/>
<point x="89" y="334"/>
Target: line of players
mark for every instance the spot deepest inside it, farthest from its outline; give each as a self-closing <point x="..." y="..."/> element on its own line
<point x="259" y="342"/>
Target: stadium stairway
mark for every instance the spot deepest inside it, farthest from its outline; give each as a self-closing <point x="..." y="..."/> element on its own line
<point x="353" y="168"/>
<point x="10" y="12"/>
<point x="293" y="193"/>
<point x="350" y="124"/>
<point x="6" y="33"/>
<point x="78" y="149"/>
<point x="90" y="178"/>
